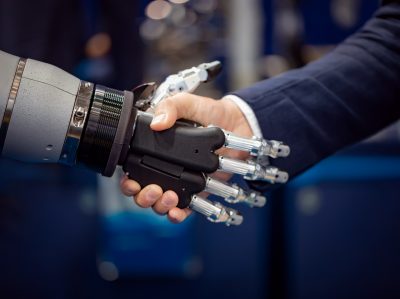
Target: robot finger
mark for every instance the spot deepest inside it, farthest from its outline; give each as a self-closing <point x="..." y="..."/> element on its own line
<point x="256" y="146"/>
<point x="215" y="212"/>
<point x="253" y="171"/>
<point x="234" y="194"/>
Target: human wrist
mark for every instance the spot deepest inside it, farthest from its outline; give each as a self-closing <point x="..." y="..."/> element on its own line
<point x="236" y="119"/>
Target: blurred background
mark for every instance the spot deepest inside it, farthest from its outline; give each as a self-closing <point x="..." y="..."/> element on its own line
<point x="333" y="232"/>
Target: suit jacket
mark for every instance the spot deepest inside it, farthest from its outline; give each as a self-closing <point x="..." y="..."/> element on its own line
<point x="342" y="98"/>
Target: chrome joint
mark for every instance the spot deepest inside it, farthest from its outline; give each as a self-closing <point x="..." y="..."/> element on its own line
<point x="11" y="101"/>
<point x="77" y="123"/>
<point x="215" y="212"/>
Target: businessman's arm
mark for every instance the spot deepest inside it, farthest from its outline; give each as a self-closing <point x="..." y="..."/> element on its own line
<point x="342" y="98"/>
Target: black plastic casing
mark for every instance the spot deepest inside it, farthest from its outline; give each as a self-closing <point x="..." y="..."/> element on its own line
<point x="183" y="144"/>
<point x="105" y="133"/>
<point x="175" y="159"/>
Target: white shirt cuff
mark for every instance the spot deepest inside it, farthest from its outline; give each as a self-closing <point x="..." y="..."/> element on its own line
<point x="248" y="113"/>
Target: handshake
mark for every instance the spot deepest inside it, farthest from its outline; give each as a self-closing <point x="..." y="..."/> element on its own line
<point x="186" y="147"/>
<point x="167" y="141"/>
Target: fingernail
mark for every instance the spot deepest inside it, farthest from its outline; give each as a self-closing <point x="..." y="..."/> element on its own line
<point x="167" y="201"/>
<point x="130" y="192"/>
<point x="152" y="195"/>
<point x="158" y="119"/>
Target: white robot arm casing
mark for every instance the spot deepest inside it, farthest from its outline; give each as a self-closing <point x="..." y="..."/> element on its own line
<point x="41" y="111"/>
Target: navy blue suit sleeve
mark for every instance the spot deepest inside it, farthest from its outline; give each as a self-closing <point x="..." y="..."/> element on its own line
<point x="338" y="100"/>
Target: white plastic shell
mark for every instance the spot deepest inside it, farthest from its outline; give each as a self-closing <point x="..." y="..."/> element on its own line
<point x="41" y="114"/>
<point x="8" y="66"/>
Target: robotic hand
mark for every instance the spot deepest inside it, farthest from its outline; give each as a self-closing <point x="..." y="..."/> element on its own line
<point x="53" y="117"/>
<point x="192" y="147"/>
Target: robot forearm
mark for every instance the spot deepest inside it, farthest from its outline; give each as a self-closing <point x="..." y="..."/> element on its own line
<point x="51" y="116"/>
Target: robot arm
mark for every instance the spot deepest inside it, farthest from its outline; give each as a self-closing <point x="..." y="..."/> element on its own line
<point x="49" y="116"/>
<point x="36" y="100"/>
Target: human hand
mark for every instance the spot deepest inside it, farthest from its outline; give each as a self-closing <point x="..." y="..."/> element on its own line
<point x="206" y="111"/>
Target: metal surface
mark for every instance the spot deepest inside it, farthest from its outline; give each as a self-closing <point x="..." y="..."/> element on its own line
<point x="77" y="123"/>
<point x="123" y="134"/>
<point x="234" y="194"/>
<point x="253" y="171"/>
<point x="11" y="101"/>
<point x="185" y="81"/>
<point x="215" y="212"/>
<point x="256" y="146"/>
<point x="101" y="129"/>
